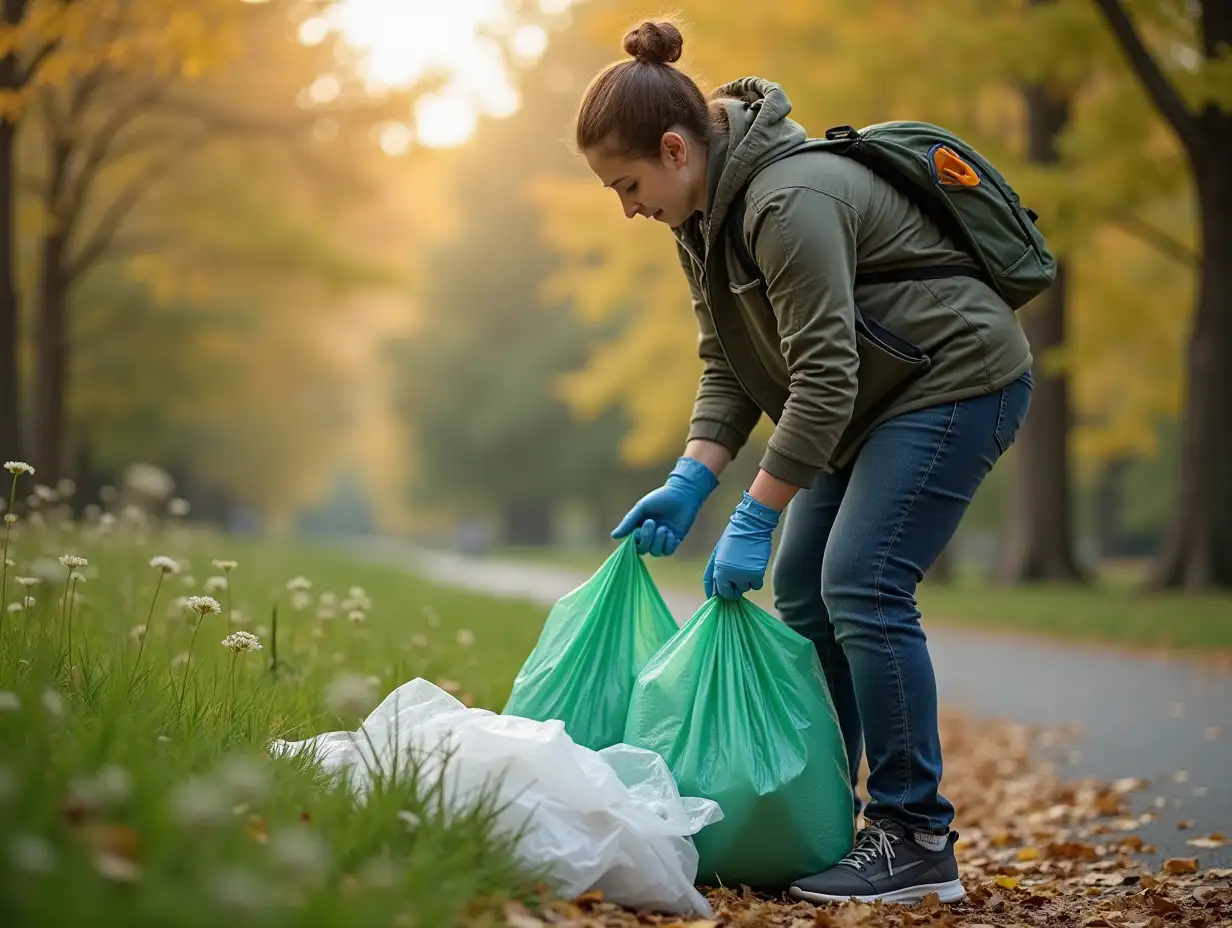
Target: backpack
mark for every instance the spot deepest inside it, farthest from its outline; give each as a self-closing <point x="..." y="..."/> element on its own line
<point x="961" y="191"/>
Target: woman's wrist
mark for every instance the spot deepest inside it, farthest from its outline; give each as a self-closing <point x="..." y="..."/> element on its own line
<point x="771" y="491"/>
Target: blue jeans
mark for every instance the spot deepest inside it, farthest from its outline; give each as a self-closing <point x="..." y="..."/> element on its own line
<point x="853" y="548"/>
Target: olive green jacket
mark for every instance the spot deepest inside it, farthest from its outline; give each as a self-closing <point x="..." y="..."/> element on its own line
<point x="827" y="361"/>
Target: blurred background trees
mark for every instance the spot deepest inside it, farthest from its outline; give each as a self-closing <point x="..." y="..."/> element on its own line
<point x="335" y="267"/>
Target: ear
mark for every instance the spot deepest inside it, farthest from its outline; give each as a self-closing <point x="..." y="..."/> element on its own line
<point x="674" y="149"/>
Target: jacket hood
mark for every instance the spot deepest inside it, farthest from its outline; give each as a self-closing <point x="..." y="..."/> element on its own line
<point x="759" y="131"/>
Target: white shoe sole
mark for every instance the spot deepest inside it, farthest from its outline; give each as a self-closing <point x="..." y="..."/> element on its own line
<point x="951" y="891"/>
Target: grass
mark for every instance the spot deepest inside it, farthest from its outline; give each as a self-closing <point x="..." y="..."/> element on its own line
<point x="1114" y="610"/>
<point x="140" y="791"/>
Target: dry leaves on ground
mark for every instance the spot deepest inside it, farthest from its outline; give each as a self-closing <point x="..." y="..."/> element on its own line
<point x="1034" y="850"/>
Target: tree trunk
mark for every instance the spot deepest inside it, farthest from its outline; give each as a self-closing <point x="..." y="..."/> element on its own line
<point x="52" y="360"/>
<point x="10" y="342"/>
<point x="1108" y="508"/>
<point x="1197" y="552"/>
<point x="1039" y="544"/>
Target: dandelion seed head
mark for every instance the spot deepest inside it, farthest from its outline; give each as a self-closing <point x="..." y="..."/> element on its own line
<point x="241" y="641"/>
<point x="199" y="802"/>
<point x="204" y="605"/>
<point x="164" y="564"/>
<point x="299" y="583"/>
<point x="466" y="637"/>
<point x="179" y="508"/>
<point x="53" y="703"/>
<point x="9" y="702"/>
<point x="299" y="851"/>
<point x="225" y="566"/>
<point x="33" y="855"/>
<point x="350" y="695"/>
<point x="18" y="467"/>
<point x="28" y="581"/>
<point x="72" y="560"/>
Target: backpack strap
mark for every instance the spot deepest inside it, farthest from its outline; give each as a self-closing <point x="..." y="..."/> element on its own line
<point x="894" y="275"/>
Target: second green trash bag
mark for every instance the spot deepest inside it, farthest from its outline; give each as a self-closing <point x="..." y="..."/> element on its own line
<point x="595" y="641"/>
<point x="738" y="707"/>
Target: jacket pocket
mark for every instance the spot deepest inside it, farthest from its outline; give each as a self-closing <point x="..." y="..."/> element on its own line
<point x="888" y="366"/>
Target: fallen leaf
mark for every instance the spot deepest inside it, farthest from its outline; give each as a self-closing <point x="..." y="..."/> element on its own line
<point x="1162" y="904"/>
<point x="1028" y="853"/>
<point x="1007" y="882"/>
<point x="1220" y="873"/>
<point x="1176" y="865"/>
<point x="1210" y="841"/>
<point x="517" y="916"/>
<point x="1072" y="851"/>
<point x="1185" y="824"/>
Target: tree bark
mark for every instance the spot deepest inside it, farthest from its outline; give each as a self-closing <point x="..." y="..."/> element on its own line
<point x="1039" y="542"/>
<point x="1197" y="551"/>
<point x="10" y="341"/>
<point x="52" y="360"/>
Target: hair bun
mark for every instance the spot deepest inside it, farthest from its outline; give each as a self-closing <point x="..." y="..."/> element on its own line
<point x="654" y="43"/>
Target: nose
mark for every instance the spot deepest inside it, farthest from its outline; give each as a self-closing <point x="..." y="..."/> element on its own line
<point x="632" y="208"/>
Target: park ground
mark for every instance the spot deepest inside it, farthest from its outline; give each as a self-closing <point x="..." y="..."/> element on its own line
<point x="136" y="788"/>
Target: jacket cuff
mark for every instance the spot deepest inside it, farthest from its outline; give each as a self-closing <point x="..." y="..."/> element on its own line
<point x="713" y="430"/>
<point x="788" y="469"/>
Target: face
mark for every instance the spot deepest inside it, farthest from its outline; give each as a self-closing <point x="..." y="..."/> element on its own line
<point x="666" y="188"/>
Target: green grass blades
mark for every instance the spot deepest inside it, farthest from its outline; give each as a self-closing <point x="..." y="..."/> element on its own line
<point x="594" y="643"/>
<point x="136" y="786"/>
<point x="737" y="705"/>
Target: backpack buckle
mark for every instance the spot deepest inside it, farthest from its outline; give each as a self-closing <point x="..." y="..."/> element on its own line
<point x="842" y="132"/>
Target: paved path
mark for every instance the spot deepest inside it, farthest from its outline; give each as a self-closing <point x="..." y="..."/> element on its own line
<point x="1166" y="720"/>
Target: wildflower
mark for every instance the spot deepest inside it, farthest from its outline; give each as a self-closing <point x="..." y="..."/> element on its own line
<point x="9" y="702"/>
<point x="10" y="518"/>
<point x="164" y="564"/>
<point x="132" y="513"/>
<point x="299" y="583"/>
<point x="244" y="779"/>
<point x="137" y="632"/>
<point x="204" y="605"/>
<point x="199" y="802"/>
<point x="225" y="566"/>
<point x="9" y="562"/>
<point x="299" y="851"/>
<point x="300" y="601"/>
<point x="163" y="739"/>
<point x="238" y="617"/>
<point x="327" y="599"/>
<point x="215" y="584"/>
<point x="76" y="576"/>
<point x="28" y="602"/>
<point x="66" y="487"/>
<point x="349" y="695"/>
<point x="14" y="608"/>
<point x="18" y="467"/>
<point x="326" y="613"/>
<point x="241" y="641"/>
<point x="53" y="703"/>
<point x="46" y="494"/>
<point x="112" y="785"/>
<point x="466" y="637"/>
<point x="106" y="523"/>
<point x="34" y="855"/>
<point x="37" y="520"/>
<point x="189" y="580"/>
<point x="357" y="615"/>
<point x="179" y="508"/>
<point x="28" y="581"/>
<point x="71" y="560"/>
<point x="180" y="660"/>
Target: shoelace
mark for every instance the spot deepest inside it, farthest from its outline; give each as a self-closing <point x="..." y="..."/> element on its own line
<point x="873" y="842"/>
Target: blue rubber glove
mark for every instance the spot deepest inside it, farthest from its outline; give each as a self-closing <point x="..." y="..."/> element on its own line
<point x="664" y="516"/>
<point x="738" y="562"/>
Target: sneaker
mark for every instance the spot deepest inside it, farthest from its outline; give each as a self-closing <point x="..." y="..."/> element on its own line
<point x="886" y="865"/>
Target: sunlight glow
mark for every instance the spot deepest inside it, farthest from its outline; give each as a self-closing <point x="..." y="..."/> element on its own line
<point x="402" y="41"/>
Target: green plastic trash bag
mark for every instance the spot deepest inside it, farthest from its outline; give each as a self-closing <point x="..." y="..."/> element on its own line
<point x="595" y="641"/>
<point x="738" y="706"/>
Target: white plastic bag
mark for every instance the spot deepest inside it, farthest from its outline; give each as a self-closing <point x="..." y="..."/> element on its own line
<point x="611" y="820"/>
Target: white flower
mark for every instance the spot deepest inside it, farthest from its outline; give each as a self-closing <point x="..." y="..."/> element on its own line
<point x="357" y="592"/>
<point x="327" y="599"/>
<point x="71" y="560"/>
<point x="34" y="855"/>
<point x="66" y="487"/>
<point x="106" y="523"/>
<point x="46" y="494"/>
<point x="18" y="467"/>
<point x="14" y="608"/>
<point x="28" y="602"/>
<point x="204" y="605"/>
<point x="28" y="581"/>
<point x="53" y="703"/>
<point x="10" y="518"/>
<point x="179" y="507"/>
<point x="350" y="695"/>
<point x="199" y="802"/>
<point x="225" y="566"/>
<point x="299" y="583"/>
<point x="327" y="612"/>
<point x="9" y="702"/>
<point x="9" y="562"/>
<point x="357" y="615"/>
<point x="242" y="641"/>
<point x="300" y="600"/>
<point x="466" y="637"/>
<point x="215" y="584"/>
<point x="166" y="565"/>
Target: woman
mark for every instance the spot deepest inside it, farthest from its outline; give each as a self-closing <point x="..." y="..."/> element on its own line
<point x="891" y="403"/>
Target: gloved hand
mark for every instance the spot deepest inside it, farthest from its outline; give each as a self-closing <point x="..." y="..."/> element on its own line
<point x="664" y="516"/>
<point x="738" y="562"/>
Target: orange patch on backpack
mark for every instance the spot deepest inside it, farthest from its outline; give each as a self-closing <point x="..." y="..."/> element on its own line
<point x="952" y="171"/>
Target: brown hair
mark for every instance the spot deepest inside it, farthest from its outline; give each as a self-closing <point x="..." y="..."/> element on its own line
<point x="630" y="104"/>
